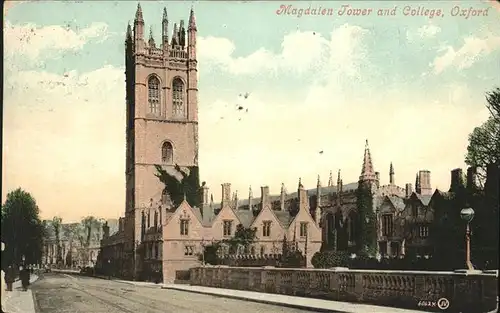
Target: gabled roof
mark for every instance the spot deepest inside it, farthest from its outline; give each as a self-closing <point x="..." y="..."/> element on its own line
<point x="397" y="202"/>
<point x="277" y="214"/>
<point x="424" y="199"/>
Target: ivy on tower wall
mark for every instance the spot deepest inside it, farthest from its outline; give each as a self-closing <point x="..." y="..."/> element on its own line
<point x="366" y="241"/>
<point x="188" y="186"/>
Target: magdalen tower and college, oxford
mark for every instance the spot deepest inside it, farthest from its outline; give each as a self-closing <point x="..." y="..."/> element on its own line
<point x="162" y="130"/>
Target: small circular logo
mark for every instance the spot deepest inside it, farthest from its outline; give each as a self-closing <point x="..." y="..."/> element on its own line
<point x="443" y="303"/>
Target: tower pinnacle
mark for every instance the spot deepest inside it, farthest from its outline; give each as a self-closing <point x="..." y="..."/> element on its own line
<point x="165" y="15"/>
<point x="192" y="21"/>
<point x="151" y="38"/>
<point x="138" y="14"/>
<point x="129" y="32"/>
<point x="367" y="172"/>
<point x="391" y="174"/>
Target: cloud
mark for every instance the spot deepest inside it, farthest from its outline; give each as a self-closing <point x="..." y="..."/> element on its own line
<point x="65" y="130"/>
<point x="423" y="32"/>
<point x="64" y="134"/>
<point x="32" y="41"/>
<point x="472" y="49"/>
<point x="7" y="5"/>
<point x="300" y="52"/>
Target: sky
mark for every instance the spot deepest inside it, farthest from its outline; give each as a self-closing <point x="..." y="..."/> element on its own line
<point x="414" y="86"/>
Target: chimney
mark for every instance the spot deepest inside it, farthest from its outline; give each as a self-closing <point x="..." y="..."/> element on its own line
<point x="204" y="194"/>
<point x="408" y="190"/>
<point x="264" y="197"/>
<point x="471" y="178"/>
<point x="105" y="230"/>
<point x="282" y="197"/>
<point x="250" y="198"/>
<point x="425" y="182"/>
<point x="302" y="192"/>
<point x="456" y="179"/>
<point x="226" y="195"/>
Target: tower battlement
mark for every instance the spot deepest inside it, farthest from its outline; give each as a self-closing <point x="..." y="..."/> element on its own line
<point x="180" y="43"/>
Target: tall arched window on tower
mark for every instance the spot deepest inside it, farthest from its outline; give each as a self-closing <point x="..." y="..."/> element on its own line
<point x="167" y="153"/>
<point x="154" y="95"/>
<point x="178" y="98"/>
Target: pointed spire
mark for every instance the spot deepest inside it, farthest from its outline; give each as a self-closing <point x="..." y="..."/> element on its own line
<point x="300" y="183"/>
<point x="185" y="196"/>
<point x="338" y="177"/>
<point x="318" y="182"/>
<point x="391" y="174"/>
<point x="211" y="199"/>
<point x="151" y="38"/>
<point x="129" y="31"/>
<point x="138" y="14"/>
<point x="175" y="40"/>
<point x="192" y="21"/>
<point x="330" y="180"/>
<point x="165" y="15"/>
<point x="182" y="34"/>
<point x="282" y="197"/>
<point x="250" y="197"/>
<point x="367" y="172"/>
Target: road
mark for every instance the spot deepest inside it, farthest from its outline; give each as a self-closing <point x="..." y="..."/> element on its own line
<point x="61" y="293"/>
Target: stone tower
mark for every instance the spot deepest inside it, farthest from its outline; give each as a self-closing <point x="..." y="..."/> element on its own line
<point x="161" y="110"/>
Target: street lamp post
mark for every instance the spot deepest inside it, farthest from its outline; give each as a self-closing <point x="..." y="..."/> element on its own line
<point x="467" y="215"/>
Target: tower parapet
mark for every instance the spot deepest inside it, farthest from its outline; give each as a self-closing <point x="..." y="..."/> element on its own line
<point x="182" y="45"/>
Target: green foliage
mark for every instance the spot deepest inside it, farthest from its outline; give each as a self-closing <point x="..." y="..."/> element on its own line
<point x="243" y="238"/>
<point x="85" y="232"/>
<point x="329" y="259"/>
<point x="21" y="228"/>
<point x="209" y="254"/>
<point x="188" y="186"/>
<point x="493" y="99"/>
<point x="290" y="256"/>
<point x="366" y="240"/>
<point x="57" y="224"/>
<point x="484" y="141"/>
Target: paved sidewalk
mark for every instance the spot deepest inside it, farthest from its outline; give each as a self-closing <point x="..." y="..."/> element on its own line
<point x="131" y="282"/>
<point x="316" y="305"/>
<point x="65" y="271"/>
<point x="19" y="301"/>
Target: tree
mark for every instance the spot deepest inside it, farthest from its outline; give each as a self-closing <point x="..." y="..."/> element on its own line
<point x="493" y="99"/>
<point x="366" y="240"/>
<point x="69" y="231"/>
<point x="242" y="239"/>
<point x="57" y="225"/>
<point x="183" y="184"/>
<point x="84" y="234"/>
<point x="22" y="230"/>
<point x="484" y="141"/>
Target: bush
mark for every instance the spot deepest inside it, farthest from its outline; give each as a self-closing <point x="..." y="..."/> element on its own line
<point x="329" y="259"/>
<point x="209" y="254"/>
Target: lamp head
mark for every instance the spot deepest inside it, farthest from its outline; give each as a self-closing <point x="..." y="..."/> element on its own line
<point x="467" y="214"/>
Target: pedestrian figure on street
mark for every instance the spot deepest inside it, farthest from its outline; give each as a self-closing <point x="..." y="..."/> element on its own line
<point x="24" y="274"/>
<point x="9" y="277"/>
<point x="3" y="286"/>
